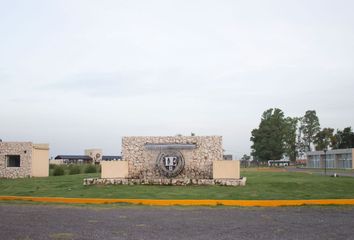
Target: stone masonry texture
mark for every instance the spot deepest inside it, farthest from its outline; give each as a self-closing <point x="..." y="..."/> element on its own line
<point x="198" y="161"/>
<point x="24" y="149"/>
<point x="177" y="182"/>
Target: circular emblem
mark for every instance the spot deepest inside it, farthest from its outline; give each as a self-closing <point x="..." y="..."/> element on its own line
<point x="170" y="163"/>
<point x="98" y="155"/>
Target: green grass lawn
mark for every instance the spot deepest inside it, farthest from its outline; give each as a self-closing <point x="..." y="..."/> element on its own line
<point x="260" y="185"/>
<point x="321" y="170"/>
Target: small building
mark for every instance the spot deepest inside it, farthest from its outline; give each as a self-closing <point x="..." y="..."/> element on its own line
<point x="227" y="157"/>
<point x="111" y="158"/>
<point x="278" y="163"/>
<point x="73" y="159"/>
<point x="91" y="156"/>
<point x="95" y="154"/>
<point x="336" y="158"/>
<point x="23" y="159"/>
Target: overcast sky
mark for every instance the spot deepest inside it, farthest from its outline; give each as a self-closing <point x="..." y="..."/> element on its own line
<point x="81" y="74"/>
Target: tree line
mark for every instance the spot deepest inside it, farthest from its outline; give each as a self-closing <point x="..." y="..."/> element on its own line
<point x="280" y="136"/>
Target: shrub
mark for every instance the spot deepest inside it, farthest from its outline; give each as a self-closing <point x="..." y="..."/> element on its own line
<point x="58" y="170"/>
<point x="52" y="166"/>
<point x="90" y="169"/>
<point x="74" y="169"/>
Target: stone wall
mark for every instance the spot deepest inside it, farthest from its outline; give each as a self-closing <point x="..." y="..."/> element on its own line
<point x="198" y="162"/>
<point x="166" y="182"/>
<point x="24" y="149"/>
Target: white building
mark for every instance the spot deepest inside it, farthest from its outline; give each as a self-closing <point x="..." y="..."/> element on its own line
<point x="337" y="158"/>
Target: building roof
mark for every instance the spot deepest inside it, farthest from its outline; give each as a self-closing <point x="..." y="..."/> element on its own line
<point x="74" y="157"/>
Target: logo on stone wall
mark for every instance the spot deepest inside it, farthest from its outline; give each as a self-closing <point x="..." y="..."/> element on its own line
<point x="170" y="163"/>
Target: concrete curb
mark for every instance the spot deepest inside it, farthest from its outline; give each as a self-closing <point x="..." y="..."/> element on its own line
<point x="192" y="202"/>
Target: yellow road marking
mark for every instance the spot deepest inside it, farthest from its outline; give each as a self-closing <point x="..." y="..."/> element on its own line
<point x="186" y="202"/>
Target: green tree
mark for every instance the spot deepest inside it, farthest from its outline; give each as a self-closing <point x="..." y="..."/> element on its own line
<point x="310" y="126"/>
<point x="290" y="137"/>
<point x="300" y="145"/>
<point x="324" y="138"/>
<point x="343" y="139"/>
<point x="268" y="138"/>
<point x="246" y="157"/>
<point x="245" y="160"/>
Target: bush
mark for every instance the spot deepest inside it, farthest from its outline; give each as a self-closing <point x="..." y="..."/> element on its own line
<point x="52" y="166"/>
<point x="90" y="169"/>
<point x="58" y="170"/>
<point x="74" y="169"/>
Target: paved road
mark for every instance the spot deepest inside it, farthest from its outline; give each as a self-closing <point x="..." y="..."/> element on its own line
<point x="61" y="222"/>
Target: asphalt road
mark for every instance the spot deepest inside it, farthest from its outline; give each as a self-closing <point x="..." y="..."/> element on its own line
<point x="64" y="222"/>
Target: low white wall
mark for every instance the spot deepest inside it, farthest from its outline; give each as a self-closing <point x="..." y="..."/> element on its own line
<point x="226" y="169"/>
<point x="114" y="169"/>
<point x="40" y="160"/>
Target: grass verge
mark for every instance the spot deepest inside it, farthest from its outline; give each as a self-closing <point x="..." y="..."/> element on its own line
<point x="260" y="186"/>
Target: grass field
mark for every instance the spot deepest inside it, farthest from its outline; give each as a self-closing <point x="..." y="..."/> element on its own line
<point x="261" y="184"/>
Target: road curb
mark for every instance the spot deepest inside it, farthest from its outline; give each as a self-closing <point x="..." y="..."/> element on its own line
<point x="192" y="202"/>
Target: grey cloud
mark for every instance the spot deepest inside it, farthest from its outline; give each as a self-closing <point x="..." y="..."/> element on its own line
<point x="127" y="84"/>
<point x="211" y="67"/>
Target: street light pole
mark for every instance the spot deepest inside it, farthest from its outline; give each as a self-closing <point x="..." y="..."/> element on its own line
<point x="325" y="161"/>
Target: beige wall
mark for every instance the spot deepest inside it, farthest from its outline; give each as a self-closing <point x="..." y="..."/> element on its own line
<point x="114" y="169"/>
<point x="40" y="160"/>
<point x="226" y="169"/>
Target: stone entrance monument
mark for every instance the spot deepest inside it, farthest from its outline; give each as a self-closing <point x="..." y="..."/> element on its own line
<point x="179" y="160"/>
